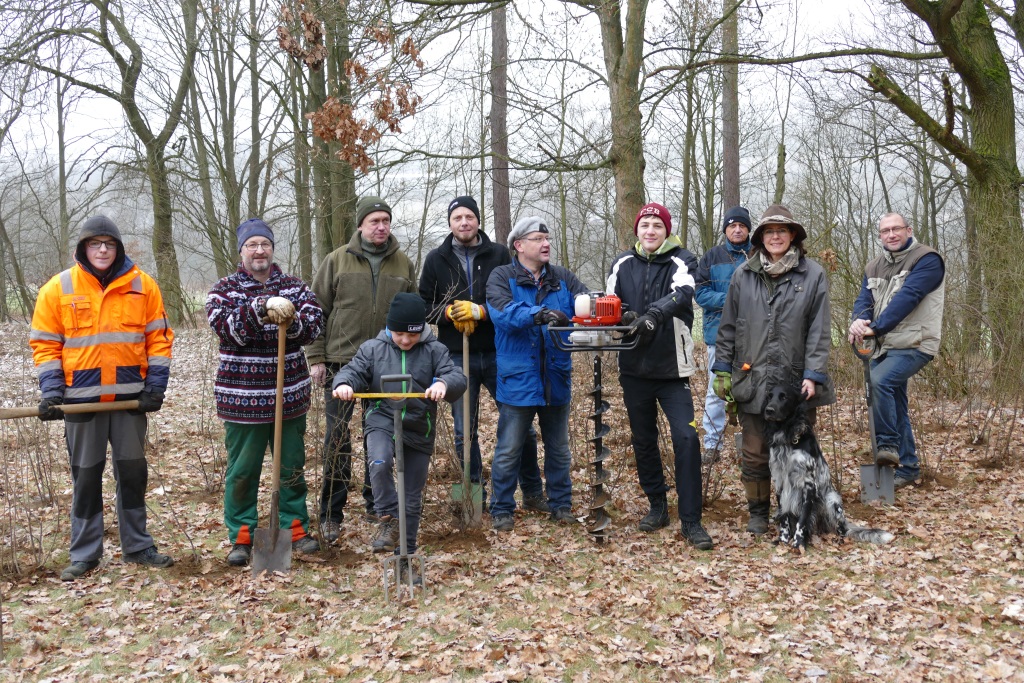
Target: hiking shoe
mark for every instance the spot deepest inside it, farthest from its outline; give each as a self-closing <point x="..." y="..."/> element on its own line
<point x="562" y="516"/>
<point x="385" y="537"/>
<point x="888" y="457"/>
<point x="536" y="503"/>
<point x="240" y="555"/>
<point x="307" y="544"/>
<point x="372" y="515"/>
<point x="901" y="482"/>
<point x="150" y="558"/>
<point x="711" y="456"/>
<point x="77" y="569"/>
<point x="695" y="535"/>
<point x="330" y="531"/>
<point x="503" y="522"/>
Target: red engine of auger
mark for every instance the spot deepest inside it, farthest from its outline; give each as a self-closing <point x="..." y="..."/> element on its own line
<point x="605" y="310"/>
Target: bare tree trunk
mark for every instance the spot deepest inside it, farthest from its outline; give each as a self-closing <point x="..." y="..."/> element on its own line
<point x="7" y="247"/>
<point x="499" y="134"/>
<point x="730" y="108"/>
<point x="301" y="174"/>
<point x="623" y="57"/>
<point x="780" y="174"/>
<point x="255" y="99"/>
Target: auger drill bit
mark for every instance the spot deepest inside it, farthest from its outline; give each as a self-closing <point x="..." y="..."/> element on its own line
<point x="599" y="519"/>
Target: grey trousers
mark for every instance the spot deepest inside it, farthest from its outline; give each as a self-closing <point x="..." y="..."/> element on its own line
<point x="380" y="456"/>
<point x="87" y="437"/>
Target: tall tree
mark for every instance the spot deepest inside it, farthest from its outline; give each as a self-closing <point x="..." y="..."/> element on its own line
<point x="110" y="29"/>
<point x="964" y="33"/>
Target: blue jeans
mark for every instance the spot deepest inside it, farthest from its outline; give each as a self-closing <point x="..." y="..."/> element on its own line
<point x="889" y="376"/>
<point x="513" y="426"/>
<point x="483" y="370"/>
<point x="714" y="411"/>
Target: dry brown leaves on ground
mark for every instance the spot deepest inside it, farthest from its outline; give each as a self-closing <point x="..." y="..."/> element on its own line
<point x="944" y="601"/>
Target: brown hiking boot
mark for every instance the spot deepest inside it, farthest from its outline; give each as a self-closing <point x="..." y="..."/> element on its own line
<point x="385" y="537"/>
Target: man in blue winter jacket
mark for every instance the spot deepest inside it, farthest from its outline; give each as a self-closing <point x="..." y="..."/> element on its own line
<point x="712" y="282"/>
<point x="534" y="376"/>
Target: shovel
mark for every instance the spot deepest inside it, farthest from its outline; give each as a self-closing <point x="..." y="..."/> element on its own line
<point x="395" y="563"/>
<point x="271" y="551"/>
<point x="470" y="495"/>
<point x="876" y="481"/>
<point x="70" y="409"/>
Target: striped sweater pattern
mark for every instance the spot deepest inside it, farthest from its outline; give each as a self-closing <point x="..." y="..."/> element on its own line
<point x="246" y="384"/>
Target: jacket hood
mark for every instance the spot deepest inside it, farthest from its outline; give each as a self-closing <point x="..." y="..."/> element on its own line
<point x="98" y="226"/>
<point x="671" y="243"/>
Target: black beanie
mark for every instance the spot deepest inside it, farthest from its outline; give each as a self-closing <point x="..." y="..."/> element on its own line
<point x="465" y="202"/>
<point x="736" y="214"/>
<point x="98" y="226"/>
<point x="408" y="313"/>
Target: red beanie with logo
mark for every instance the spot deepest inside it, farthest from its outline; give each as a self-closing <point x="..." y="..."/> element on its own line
<point x="658" y="211"/>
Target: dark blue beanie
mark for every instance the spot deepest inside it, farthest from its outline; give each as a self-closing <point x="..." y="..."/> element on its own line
<point x="254" y="227"/>
<point x="736" y="214"/>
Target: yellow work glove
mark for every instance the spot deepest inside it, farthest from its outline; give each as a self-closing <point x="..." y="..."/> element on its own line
<point x="466" y="327"/>
<point x="466" y="310"/>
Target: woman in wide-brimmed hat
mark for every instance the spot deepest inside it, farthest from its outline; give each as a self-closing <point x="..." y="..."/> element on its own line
<point x="775" y="329"/>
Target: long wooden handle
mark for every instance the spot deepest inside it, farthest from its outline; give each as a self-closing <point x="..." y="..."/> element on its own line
<point x="70" y="409"/>
<point x="278" y="415"/>
<point x="467" y="427"/>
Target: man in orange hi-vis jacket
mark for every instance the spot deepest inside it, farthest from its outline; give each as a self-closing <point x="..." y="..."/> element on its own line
<point x="100" y="333"/>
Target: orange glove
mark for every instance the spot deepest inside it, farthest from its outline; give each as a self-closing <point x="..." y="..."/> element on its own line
<point x="466" y="310"/>
<point x="466" y="327"/>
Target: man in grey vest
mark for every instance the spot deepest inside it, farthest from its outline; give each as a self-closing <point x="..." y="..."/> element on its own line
<point x="900" y="303"/>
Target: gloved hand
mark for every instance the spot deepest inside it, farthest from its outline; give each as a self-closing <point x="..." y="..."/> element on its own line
<point x="461" y="311"/>
<point x="723" y="385"/>
<point x="280" y="311"/>
<point x="553" y="317"/>
<point x="466" y="327"/>
<point x="150" y="401"/>
<point x="645" y="326"/>
<point x="48" y="412"/>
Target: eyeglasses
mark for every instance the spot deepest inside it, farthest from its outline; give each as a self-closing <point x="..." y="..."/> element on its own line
<point x="891" y="231"/>
<point x="251" y="247"/>
<point x="775" y="231"/>
<point x="538" y="240"/>
<point x="96" y="244"/>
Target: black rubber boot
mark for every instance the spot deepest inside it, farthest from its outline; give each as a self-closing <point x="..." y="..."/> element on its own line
<point x="657" y="518"/>
<point x="759" y="500"/>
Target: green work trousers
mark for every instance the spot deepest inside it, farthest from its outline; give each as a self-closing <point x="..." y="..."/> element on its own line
<point x="247" y="446"/>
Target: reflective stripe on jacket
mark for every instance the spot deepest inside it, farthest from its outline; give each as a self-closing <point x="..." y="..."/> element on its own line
<point x="94" y="344"/>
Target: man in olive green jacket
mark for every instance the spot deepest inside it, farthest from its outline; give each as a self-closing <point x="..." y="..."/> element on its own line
<point x="354" y="286"/>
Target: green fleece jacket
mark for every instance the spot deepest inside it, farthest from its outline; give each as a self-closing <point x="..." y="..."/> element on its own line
<point x="356" y="306"/>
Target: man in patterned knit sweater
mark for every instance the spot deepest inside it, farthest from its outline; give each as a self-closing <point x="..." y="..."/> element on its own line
<point x="245" y="309"/>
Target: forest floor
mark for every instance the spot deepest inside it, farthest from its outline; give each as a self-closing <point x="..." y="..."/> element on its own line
<point x="944" y="601"/>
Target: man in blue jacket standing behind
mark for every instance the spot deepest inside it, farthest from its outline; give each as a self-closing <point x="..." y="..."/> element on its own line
<point x="534" y="377"/>
<point x="712" y="282"/>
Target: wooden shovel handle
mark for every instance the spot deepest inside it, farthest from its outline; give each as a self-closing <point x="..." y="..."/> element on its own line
<point x="70" y="409"/>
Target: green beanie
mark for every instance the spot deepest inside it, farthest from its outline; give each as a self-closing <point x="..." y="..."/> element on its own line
<point x="367" y="205"/>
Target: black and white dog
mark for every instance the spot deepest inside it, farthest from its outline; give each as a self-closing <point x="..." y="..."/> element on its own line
<point x="808" y="503"/>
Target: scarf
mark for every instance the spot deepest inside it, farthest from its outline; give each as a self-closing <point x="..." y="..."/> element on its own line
<point x="785" y="264"/>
